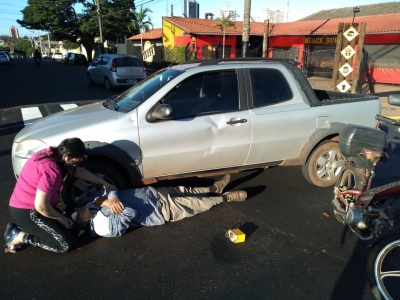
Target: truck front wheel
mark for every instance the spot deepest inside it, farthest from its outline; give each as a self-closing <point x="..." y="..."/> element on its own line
<point x="77" y="192"/>
<point x="324" y="164"/>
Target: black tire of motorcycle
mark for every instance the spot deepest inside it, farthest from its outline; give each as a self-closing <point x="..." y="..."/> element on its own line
<point x="372" y="256"/>
<point x="358" y="186"/>
<point x="308" y="169"/>
<point x="100" y="167"/>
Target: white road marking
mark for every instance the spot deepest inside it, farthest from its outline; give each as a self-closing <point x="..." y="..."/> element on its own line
<point x="30" y="114"/>
<point x="68" y="106"/>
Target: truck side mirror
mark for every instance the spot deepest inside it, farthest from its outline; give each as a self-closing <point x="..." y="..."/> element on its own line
<point x="394" y="99"/>
<point x="162" y="112"/>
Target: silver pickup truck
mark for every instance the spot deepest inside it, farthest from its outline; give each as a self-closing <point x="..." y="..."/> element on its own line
<point x="202" y="119"/>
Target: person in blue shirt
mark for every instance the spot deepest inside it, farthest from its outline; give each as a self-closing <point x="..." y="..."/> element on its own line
<point x="150" y="206"/>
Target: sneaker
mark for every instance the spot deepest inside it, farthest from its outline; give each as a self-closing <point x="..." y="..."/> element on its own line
<point x="221" y="184"/>
<point x="236" y="196"/>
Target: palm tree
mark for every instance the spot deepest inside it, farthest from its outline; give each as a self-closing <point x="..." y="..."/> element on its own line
<point x="142" y="23"/>
<point x="224" y="23"/>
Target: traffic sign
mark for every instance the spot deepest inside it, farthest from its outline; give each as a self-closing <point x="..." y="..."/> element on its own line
<point x="1" y="43"/>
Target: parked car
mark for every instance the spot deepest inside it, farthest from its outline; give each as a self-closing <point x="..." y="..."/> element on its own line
<point x="4" y="58"/>
<point x="57" y="56"/>
<point x="205" y="118"/>
<point x="77" y="59"/>
<point x="8" y="55"/>
<point x="66" y="57"/>
<point x="115" y="70"/>
<point x="47" y="55"/>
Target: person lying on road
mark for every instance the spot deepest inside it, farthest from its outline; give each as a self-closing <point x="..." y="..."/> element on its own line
<point x="151" y="206"/>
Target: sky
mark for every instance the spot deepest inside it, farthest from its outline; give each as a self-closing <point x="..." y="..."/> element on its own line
<point x="10" y="10"/>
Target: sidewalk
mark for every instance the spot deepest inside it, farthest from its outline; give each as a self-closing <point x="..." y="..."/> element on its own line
<point x="381" y="90"/>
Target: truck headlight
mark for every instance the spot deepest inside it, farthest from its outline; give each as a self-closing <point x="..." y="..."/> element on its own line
<point x="26" y="149"/>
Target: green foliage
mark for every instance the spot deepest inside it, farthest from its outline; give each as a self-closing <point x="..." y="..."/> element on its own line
<point x="70" y="45"/>
<point x="176" y="55"/>
<point x="143" y="21"/>
<point x="64" y="22"/>
<point x="23" y="45"/>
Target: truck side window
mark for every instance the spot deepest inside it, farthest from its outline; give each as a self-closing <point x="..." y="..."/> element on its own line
<point x="205" y="93"/>
<point x="269" y="87"/>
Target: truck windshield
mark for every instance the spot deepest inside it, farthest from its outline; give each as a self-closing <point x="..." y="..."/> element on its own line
<point x="140" y="92"/>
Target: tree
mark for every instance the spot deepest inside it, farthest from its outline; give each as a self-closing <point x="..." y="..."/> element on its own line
<point x="64" y="22"/>
<point x="142" y="23"/>
<point x="224" y="23"/>
<point x="70" y="45"/>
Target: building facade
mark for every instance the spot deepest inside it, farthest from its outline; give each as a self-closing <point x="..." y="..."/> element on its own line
<point x="226" y="11"/>
<point x="14" y="32"/>
<point x="191" y="9"/>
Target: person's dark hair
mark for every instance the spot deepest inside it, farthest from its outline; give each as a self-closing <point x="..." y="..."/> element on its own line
<point x="72" y="148"/>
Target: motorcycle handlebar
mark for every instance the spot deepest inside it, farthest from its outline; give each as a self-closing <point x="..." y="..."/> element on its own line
<point x="387" y="120"/>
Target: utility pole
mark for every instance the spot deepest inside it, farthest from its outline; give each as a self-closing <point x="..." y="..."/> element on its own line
<point x="246" y="28"/>
<point x="265" y="40"/>
<point x="101" y="32"/>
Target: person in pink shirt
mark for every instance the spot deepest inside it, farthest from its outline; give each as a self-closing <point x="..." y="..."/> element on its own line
<point x="36" y="221"/>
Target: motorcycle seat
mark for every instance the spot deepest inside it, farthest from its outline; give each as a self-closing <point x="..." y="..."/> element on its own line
<point x="371" y="154"/>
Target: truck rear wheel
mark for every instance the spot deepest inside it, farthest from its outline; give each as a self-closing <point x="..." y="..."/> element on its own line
<point x="324" y="164"/>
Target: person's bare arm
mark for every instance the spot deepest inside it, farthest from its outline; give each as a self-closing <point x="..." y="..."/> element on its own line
<point x="84" y="174"/>
<point x="42" y="205"/>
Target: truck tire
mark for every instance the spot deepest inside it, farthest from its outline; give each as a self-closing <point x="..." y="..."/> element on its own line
<point x="77" y="192"/>
<point x="324" y="164"/>
<point x="383" y="257"/>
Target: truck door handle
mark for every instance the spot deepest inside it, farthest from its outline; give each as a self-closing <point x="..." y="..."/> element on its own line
<point x="237" y="121"/>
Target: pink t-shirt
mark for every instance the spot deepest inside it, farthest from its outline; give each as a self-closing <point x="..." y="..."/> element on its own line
<point x="44" y="175"/>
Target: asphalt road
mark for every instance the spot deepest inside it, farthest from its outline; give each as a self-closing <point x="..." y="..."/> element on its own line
<point x="292" y="250"/>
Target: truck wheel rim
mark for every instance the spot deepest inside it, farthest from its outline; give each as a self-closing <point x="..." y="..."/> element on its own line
<point x="329" y="165"/>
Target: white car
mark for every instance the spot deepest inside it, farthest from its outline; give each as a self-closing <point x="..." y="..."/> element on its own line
<point x="57" y="56"/>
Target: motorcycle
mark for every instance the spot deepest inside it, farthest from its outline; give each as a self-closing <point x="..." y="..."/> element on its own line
<point x="372" y="214"/>
<point x="38" y="61"/>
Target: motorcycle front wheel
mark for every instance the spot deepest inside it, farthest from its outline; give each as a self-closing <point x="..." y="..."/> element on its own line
<point x="383" y="268"/>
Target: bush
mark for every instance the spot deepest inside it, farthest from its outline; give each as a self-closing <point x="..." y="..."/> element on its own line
<point x="176" y="55"/>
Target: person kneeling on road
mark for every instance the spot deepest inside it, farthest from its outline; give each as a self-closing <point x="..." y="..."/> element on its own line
<point x="151" y="206"/>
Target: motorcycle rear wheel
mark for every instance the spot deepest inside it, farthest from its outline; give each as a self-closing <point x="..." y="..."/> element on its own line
<point x="349" y="179"/>
<point x="383" y="268"/>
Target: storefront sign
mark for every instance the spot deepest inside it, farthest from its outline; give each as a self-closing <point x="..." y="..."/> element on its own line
<point x="148" y="52"/>
<point x="344" y="86"/>
<point x="350" y="33"/>
<point x="320" y="40"/>
<point x="348" y="52"/>
<point x="346" y="70"/>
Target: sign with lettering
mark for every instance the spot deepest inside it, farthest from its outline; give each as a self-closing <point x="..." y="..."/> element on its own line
<point x="348" y="52"/>
<point x="350" y="33"/>
<point x="346" y="70"/>
<point x="321" y="40"/>
<point x="148" y="52"/>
